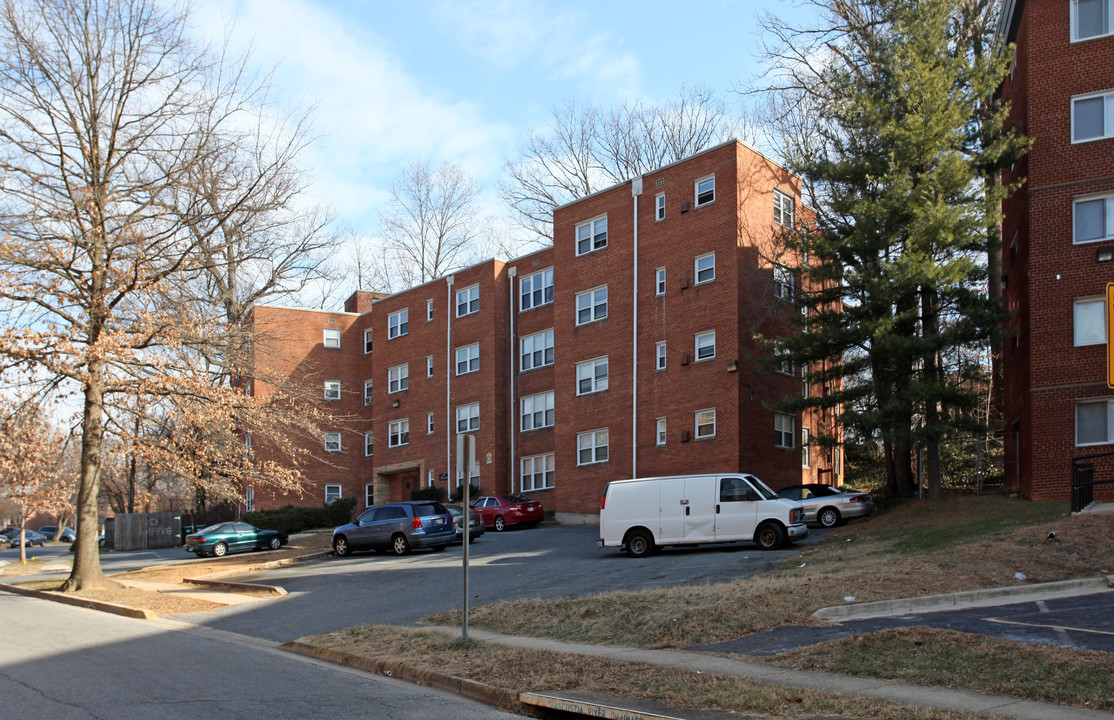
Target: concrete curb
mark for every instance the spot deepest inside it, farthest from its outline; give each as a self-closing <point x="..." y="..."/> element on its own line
<point x="232" y="586"/>
<point x="482" y="692"/>
<point x="965" y="599"/>
<point x="138" y="613"/>
<point x="263" y="565"/>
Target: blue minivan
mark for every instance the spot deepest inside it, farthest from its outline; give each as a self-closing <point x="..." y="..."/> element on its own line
<point x="397" y="527"/>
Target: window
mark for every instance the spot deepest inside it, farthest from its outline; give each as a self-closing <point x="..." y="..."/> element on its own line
<point x="468" y="301"/>
<point x="429" y="310"/>
<point x="660" y="432"/>
<point x="660" y="355"/>
<point x="804" y="448"/>
<point x="332" y="338"/>
<point x="783" y="283"/>
<point x="591" y="305"/>
<point x="536" y="350"/>
<point x="783" y="208"/>
<point x="332" y="494"/>
<point x="429" y="366"/>
<point x="537" y="472"/>
<point x="332" y="442"/>
<point x="367" y="341"/>
<point x="332" y="389"/>
<point x="369" y="444"/>
<point x="468" y="359"/>
<point x="468" y="418"/>
<point x="398" y="433"/>
<point x="1091" y="18"/>
<point x="1094" y="219"/>
<point x="369" y="495"/>
<point x="367" y="392"/>
<point x="786" y="367"/>
<point x="659" y="281"/>
<point x="705" y="345"/>
<point x="591" y="447"/>
<point x="247" y="445"/>
<point x="783" y="430"/>
<point x="705" y="191"/>
<point x="591" y="236"/>
<point x="835" y="462"/>
<point x="537" y="411"/>
<point x="591" y="376"/>
<point x="705" y="423"/>
<point x="536" y="290"/>
<point x="398" y="324"/>
<point x="1092" y="117"/>
<point x="705" y="268"/>
<point x="429" y="423"/>
<point x="1090" y="321"/>
<point x="659" y="207"/>
<point x="398" y="378"/>
<point x="1094" y="422"/>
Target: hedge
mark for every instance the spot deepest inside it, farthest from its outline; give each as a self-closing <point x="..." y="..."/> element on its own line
<point x="292" y="519"/>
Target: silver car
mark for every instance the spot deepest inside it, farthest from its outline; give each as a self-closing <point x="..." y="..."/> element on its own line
<point x="829" y="506"/>
<point x="475" y="524"/>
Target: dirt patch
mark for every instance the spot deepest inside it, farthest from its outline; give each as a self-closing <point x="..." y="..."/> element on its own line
<point x="158" y="603"/>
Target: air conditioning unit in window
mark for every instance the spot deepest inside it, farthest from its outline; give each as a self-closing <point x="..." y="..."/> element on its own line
<point x="686" y="206"/>
<point x="685" y="358"/>
<point x="685" y="283"/>
<point x="685" y="436"/>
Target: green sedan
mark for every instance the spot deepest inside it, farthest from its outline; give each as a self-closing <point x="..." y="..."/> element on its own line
<point x="226" y="537"/>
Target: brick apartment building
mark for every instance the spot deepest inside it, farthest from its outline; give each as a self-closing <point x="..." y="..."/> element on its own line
<point x="628" y="348"/>
<point x="1058" y="239"/>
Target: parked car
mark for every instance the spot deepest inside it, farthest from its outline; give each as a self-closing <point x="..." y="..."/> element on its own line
<point x="398" y="527"/>
<point x="503" y="511"/>
<point x="68" y="534"/>
<point x="223" y="538"/>
<point x="827" y="505"/>
<point x="30" y="537"/>
<point x="475" y="524"/>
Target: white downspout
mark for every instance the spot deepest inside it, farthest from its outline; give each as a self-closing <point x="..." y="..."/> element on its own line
<point x="512" y="272"/>
<point x="636" y="190"/>
<point x="451" y="467"/>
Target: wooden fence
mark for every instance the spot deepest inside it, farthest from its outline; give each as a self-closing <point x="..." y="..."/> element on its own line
<point x="143" y="531"/>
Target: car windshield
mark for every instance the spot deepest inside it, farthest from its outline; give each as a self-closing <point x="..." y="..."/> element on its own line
<point x="763" y="489"/>
<point x="517" y="498"/>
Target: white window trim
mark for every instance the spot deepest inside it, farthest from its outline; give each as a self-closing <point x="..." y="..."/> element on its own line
<point x="369" y="444"/>
<point x="468" y="359"/>
<point x="1109" y="220"/>
<point x="429" y="310"/>
<point x="696" y="345"/>
<point x="696" y="268"/>
<point x="659" y="207"/>
<point x="368" y="344"/>
<point x="332" y="389"/>
<point x="1099" y="300"/>
<point x="468" y="300"/>
<point x="533" y="278"/>
<point x="394" y="327"/>
<point x="782" y="433"/>
<point x="331" y="333"/>
<point x="1075" y="23"/>
<point x="548" y="404"/>
<point x="1109" y="402"/>
<point x="590" y="366"/>
<point x="1107" y="120"/>
<point x="395" y="430"/>
<point x="592" y="307"/>
<point x="591" y="236"/>
<point x="594" y="447"/>
<point x="335" y="490"/>
<point x="696" y="191"/>
<point x="660" y="433"/>
<point x="403" y="373"/>
<point x="369" y="392"/>
<point x="806" y="453"/>
<point x="696" y="425"/>
<point x="429" y="366"/>
<point x="659" y="282"/>
<point x="781" y="198"/>
<point x="369" y="494"/>
<point x="470" y="414"/>
<point x="661" y="356"/>
<point x="333" y="438"/>
<point x="547" y="339"/>
<point x="785" y="284"/>
<point x="547" y="468"/>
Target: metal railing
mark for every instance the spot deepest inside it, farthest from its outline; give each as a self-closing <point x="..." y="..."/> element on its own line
<point x="1083" y="480"/>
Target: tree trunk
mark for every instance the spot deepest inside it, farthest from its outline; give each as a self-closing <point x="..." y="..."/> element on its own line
<point x="931" y="380"/>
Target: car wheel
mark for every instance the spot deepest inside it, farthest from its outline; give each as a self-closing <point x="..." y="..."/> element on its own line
<point x="500" y="523"/>
<point x="201" y="554"/>
<point x="275" y="543"/>
<point x="341" y="546"/>
<point x="640" y="544"/>
<point x="828" y="517"/>
<point x="471" y="539"/>
<point x="769" y="536"/>
<point x="400" y="545"/>
<point x="220" y="549"/>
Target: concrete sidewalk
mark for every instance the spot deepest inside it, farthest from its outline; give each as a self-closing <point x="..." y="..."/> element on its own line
<point x="942" y="698"/>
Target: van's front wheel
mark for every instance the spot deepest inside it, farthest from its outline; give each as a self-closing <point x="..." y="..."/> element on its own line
<point x="769" y="536"/>
<point x="640" y="544"/>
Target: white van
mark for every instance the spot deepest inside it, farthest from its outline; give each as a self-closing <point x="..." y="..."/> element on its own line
<point x="647" y="513"/>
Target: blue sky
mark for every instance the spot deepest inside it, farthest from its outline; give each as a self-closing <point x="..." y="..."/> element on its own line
<point x="467" y="82"/>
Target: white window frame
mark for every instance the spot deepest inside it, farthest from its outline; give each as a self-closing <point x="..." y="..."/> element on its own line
<point x="596" y="237"/>
<point x="589" y="302"/>
<point x="662" y="357"/>
<point x="369" y="392"/>
<point x="784" y="283"/>
<point x="1107" y="202"/>
<point x="331" y="338"/>
<point x="429" y="310"/>
<point x="398" y="324"/>
<point x="1092" y="309"/>
<point x="333" y="493"/>
<point x="701" y="266"/>
<point x="588" y="377"/>
<point x="332" y="389"/>
<point x="784" y="210"/>
<point x="1108" y="30"/>
<point x="806" y="455"/>
<point x="534" y="406"/>
<point x="468" y="301"/>
<point x="784" y="430"/>
<point x="429" y="423"/>
<point x="702" y="341"/>
<point x="429" y="366"/>
<point x="367" y="341"/>
<point x="786" y="366"/>
<point x="535" y="467"/>
<point x="468" y="358"/>
<point x="593" y="442"/>
<point x="529" y="350"/>
<point x="1109" y="403"/>
<point x="659" y="207"/>
<point x="660" y="436"/>
<point x="398" y="433"/>
<point x="369" y="495"/>
<point x="1107" y="115"/>
<point x="369" y="444"/>
<point x="704" y="424"/>
<point x="398" y="378"/>
<point x="468" y="418"/>
<point x="531" y="294"/>
<point x="697" y="192"/>
<point x="332" y="442"/>
<point x="659" y="282"/>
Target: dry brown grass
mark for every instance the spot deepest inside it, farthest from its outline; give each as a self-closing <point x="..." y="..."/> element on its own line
<point x="158" y="603"/>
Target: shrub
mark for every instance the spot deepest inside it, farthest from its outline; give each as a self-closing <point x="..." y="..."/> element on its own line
<point x="427" y="493"/>
<point x="458" y="494"/>
<point x="292" y="519"/>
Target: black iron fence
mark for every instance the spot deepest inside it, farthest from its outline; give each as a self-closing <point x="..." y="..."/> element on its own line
<point x="1083" y="479"/>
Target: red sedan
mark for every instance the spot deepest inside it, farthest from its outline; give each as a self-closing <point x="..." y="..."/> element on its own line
<point x="503" y="511"/>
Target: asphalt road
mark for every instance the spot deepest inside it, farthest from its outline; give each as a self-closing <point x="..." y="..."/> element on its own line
<point x="544" y="562"/>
